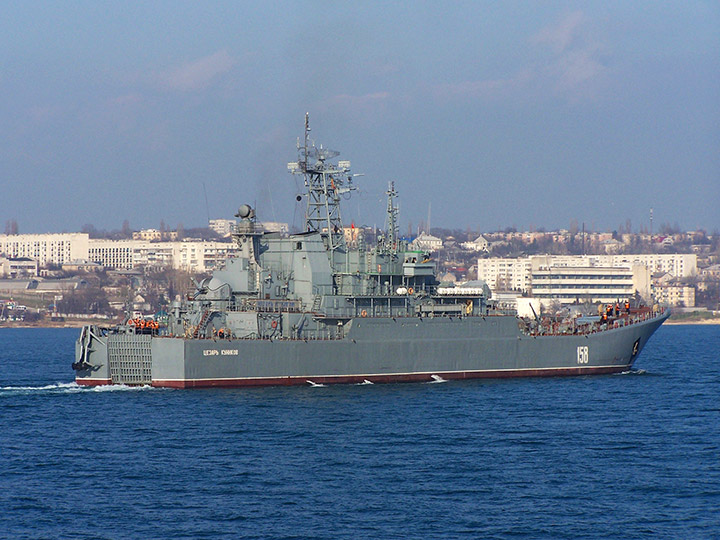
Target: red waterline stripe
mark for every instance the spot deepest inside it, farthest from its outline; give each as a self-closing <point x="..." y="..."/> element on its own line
<point x="81" y="381"/>
<point x="394" y="378"/>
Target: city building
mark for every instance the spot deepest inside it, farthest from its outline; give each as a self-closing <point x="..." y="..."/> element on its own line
<point x="154" y="235"/>
<point x="274" y="226"/>
<point x="595" y="278"/>
<point x="201" y="256"/>
<point x="426" y="242"/>
<point x="479" y="244"/>
<point x="82" y="266"/>
<point x="352" y="235"/>
<point x="505" y="274"/>
<point x="677" y="264"/>
<point x="116" y="254"/>
<point x="579" y="284"/>
<point x="189" y="255"/>
<point x="45" y="248"/>
<point x="515" y="273"/>
<point x="675" y="295"/>
<point x="224" y="227"/>
<point x="16" y="268"/>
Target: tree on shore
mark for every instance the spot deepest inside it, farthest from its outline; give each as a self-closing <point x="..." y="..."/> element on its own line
<point x="88" y="300"/>
<point x="11" y="227"/>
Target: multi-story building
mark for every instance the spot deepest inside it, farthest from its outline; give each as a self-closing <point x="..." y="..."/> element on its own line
<point x="155" y="235"/>
<point x="224" y="227"/>
<point x="190" y="255"/>
<point x="504" y="274"/>
<point x="274" y="226"/>
<point x="515" y="274"/>
<point x="116" y="254"/>
<point x="597" y="278"/>
<point x="577" y="284"/>
<point x="201" y="256"/>
<point x="675" y="264"/>
<point x="675" y="295"/>
<point x="45" y="248"/>
<point x="20" y="267"/>
<point x="680" y="265"/>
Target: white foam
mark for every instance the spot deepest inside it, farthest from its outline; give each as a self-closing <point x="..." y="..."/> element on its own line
<point x="56" y="386"/>
<point x="69" y="388"/>
<point x="121" y="388"/>
<point x="436" y="379"/>
<point x="365" y="381"/>
<point x="314" y="384"/>
<point x="633" y="372"/>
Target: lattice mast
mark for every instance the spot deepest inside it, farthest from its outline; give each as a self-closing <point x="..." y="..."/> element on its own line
<point x="325" y="182"/>
<point x="389" y="243"/>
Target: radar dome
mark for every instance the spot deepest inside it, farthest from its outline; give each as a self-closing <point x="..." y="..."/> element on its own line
<point x="244" y="211"/>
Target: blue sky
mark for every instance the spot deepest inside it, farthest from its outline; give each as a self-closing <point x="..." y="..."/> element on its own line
<point x="496" y="114"/>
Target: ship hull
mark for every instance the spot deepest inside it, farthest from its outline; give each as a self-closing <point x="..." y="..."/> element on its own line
<point x="379" y="350"/>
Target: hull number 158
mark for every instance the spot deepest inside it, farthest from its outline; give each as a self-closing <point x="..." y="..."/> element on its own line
<point x="582" y="355"/>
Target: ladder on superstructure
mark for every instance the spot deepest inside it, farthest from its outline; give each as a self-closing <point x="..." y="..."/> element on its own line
<point x="202" y="323"/>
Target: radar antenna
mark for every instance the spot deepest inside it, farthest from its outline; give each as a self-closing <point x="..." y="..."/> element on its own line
<point x="325" y="182"/>
<point x="389" y="242"/>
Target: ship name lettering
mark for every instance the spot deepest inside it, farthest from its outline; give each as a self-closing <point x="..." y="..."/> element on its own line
<point x="229" y="352"/>
<point x="210" y="352"/>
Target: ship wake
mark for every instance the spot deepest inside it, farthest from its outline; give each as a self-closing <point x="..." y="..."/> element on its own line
<point x="68" y="388"/>
<point x="633" y="372"/>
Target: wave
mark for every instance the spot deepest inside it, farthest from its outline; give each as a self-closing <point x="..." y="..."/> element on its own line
<point x="436" y="379"/>
<point x="70" y="388"/>
<point x="633" y="372"/>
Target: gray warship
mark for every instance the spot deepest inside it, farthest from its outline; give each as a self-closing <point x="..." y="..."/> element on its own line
<point x="316" y="308"/>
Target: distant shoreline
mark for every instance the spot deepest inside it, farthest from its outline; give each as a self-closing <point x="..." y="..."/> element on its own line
<point x="696" y="321"/>
<point x="79" y="323"/>
<point x="72" y="323"/>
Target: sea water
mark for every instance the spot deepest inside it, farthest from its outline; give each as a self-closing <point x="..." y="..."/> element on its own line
<point x="635" y="455"/>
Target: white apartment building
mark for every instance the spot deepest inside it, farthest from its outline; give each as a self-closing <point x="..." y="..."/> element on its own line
<point x="45" y="248"/>
<point x="116" y="254"/>
<point x="606" y="284"/>
<point x="201" y="256"/>
<point x="275" y="226"/>
<point x="224" y="227"/>
<point x="515" y="274"/>
<point x="154" y="235"/>
<point x="505" y="274"/>
<point x="675" y="295"/>
<point x="676" y="264"/>
<point x="190" y="255"/>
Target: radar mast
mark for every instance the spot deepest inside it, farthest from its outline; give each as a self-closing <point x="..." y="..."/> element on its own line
<point x="389" y="243"/>
<point x="325" y="182"/>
